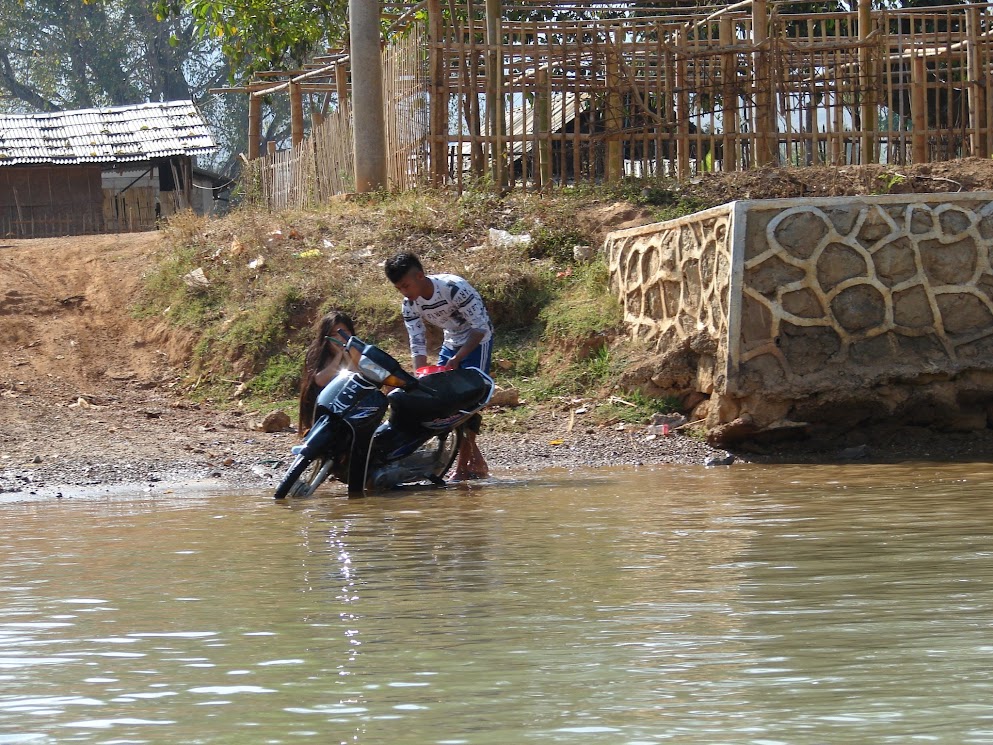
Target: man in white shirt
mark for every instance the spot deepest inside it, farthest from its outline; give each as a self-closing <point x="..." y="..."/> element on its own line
<point x="452" y="304"/>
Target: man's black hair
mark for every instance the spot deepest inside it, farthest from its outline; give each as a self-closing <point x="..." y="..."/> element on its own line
<point x="398" y="266"/>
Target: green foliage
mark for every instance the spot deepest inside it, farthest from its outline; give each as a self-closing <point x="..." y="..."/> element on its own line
<point x="66" y="54"/>
<point x="259" y="331"/>
<point x="582" y="307"/>
<point x="682" y="207"/>
<point x="556" y="243"/>
<point x="515" y="291"/>
<point x="889" y="179"/>
<point x="279" y="378"/>
<point x="166" y="293"/>
<point x="259" y="35"/>
<point x="634" y="408"/>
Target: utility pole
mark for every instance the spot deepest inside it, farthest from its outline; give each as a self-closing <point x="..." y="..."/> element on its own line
<point x="369" y="123"/>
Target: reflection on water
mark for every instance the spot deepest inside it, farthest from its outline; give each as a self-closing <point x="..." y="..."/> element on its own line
<point x="744" y="605"/>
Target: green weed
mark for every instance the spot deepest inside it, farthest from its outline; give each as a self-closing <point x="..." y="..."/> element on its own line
<point x="280" y="377"/>
<point x="582" y="307"/>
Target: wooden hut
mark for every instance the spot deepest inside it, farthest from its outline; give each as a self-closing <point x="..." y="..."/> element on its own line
<point x="99" y="170"/>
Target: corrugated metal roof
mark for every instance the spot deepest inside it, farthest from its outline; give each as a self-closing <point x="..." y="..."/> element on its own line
<point x="113" y="135"/>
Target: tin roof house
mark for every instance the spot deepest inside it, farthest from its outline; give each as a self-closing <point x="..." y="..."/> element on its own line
<point x="101" y="170"/>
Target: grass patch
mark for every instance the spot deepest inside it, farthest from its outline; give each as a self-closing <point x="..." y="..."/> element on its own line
<point x="280" y="377"/>
<point x="582" y="308"/>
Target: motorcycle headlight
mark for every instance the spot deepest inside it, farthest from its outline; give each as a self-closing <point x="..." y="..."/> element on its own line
<point x="374" y="371"/>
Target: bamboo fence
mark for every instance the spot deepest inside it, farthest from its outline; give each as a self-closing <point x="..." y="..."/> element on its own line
<point x="322" y="165"/>
<point x="662" y="91"/>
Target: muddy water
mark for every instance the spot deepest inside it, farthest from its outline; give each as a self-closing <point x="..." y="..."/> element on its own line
<point x="681" y="605"/>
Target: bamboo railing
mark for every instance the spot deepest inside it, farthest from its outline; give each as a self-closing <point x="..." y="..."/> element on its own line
<point x="522" y="95"/>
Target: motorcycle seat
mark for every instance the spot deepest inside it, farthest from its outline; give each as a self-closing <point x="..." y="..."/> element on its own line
<point x="438" y="395"/>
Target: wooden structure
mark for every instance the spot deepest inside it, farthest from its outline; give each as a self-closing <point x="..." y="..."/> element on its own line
<point x="525" y="94"/>
<point x="99" y="170"/>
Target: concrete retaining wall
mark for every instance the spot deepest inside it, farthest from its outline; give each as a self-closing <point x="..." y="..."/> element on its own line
<point x="818" y="312"/>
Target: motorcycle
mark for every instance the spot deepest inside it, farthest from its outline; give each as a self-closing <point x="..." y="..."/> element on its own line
<point x="418" y="441"/>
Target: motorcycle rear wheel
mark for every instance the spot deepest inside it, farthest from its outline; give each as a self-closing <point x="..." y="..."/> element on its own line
<point x="448" y="450"/>
<point x="297" y="467"/>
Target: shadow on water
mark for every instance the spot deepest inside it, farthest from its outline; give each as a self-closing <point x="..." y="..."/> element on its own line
<point x="751" y="604"/>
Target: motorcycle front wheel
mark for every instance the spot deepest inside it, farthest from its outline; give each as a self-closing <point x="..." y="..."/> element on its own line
<point x="312" y="477"/>
<point x="296" y="470"/>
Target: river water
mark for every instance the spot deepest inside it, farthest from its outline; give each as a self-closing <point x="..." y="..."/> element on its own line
<point x="785" y="604"/>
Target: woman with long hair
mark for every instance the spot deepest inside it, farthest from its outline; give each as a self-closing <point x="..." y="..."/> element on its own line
<point x="325" y="358"/>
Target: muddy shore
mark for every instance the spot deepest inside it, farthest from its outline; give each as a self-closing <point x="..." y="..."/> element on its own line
<point x="58" y="442"/>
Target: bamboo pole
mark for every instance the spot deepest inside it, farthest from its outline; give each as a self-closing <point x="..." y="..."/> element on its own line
<point x="984" y="65"/>
<point x="729" y="94"/>
<point x="813" y="149"/>
<point x="918" y="107"/>
<point x="867" y="90"/>
<point x="977" y="86"/>
<point x="764" y="119"/>
<point x="890" y="135"/>
<point x="496" y="115"/>
<point x="543" y="113"/>
<point x="439" y="95"/>
<point x="682" y="109"/>
<point x="661" y="109"/>
<point x="463" y="84"/>
<point x="341" y="81"/>
<point x="669" y="102"/>
<point x="838" y="156"/>
<point x="613" y="113"/>
<point x="296" y="114"/>
<point x="576" y="133"/>
<point x="254" y="126"/>
<point x="711" y="159"/>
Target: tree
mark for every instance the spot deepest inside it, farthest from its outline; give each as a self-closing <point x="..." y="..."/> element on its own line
<point x="59" y="55"/>
<point x="64" y="54"/>
<point x="264" y="35"/>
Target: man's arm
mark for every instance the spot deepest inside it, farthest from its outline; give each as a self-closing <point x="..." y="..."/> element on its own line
<point x="475" y="338"/>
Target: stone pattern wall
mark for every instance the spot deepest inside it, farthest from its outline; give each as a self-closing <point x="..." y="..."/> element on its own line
<point x="858" y="291"/>
<point x="674" y="284"/>
<point x="831" y="310"/>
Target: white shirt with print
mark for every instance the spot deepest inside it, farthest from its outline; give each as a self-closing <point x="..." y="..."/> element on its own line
<point x="454" y="306"/>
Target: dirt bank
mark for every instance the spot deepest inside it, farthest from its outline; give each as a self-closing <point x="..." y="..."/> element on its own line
<point x="89" y="396"/>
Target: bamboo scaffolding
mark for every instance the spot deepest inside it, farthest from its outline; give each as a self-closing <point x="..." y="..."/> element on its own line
<point x="664" y="89"/>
